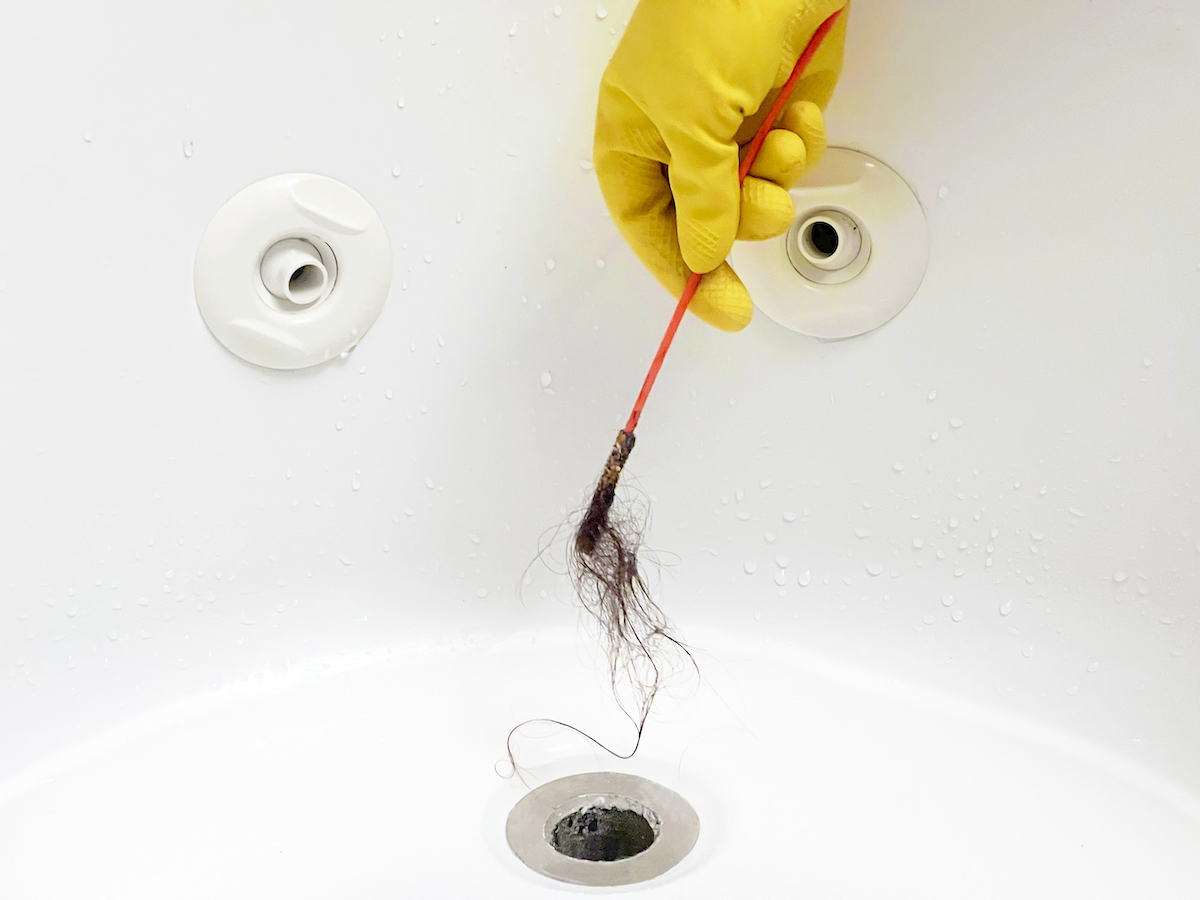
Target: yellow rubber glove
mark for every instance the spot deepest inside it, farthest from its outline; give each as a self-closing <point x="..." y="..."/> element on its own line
<point x="688" y="84"/>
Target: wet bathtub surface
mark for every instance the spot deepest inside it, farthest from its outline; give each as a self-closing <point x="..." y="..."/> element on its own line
<point x="376" y="776"/>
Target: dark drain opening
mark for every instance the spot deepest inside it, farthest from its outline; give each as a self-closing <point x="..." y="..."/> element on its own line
<point x="824" y="238"/>
<point x="602" y="834"/>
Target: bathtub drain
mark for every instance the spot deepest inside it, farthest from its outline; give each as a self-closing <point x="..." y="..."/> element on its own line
<point x="602" y="829"/>
<point x="602" y="833"/>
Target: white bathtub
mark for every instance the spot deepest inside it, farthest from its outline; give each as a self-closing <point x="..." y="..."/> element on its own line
<point x="264" y="633"/>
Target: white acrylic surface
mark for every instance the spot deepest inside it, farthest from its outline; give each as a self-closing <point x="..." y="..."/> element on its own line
<point x="375" y="777"/>
<point x="1040" y="387"/>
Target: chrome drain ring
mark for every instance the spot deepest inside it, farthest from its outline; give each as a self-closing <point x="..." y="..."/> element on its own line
<point x="530" y="827"/>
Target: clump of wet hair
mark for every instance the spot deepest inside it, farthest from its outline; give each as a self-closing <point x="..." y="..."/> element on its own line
<point x="605" y="570"/>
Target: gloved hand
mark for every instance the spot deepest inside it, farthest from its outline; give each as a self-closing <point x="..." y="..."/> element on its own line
<point x="691" y="81"/>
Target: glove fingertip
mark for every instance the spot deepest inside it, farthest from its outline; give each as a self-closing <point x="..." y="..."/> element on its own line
<point x="722" y="300"/>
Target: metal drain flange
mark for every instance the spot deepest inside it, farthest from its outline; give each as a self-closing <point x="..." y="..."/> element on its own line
<point x="607" y="818"/>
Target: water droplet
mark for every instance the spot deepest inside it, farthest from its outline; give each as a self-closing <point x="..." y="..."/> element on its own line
<point x="943" y="192"/>
<point x="355" y="484"/>
<point x="789" y="517"/>
<point x="338" y="425"/>
<point x="929" y="618"/>
<point x="861" y="533"/>
<point x="933" y="435"/>
<point x="744" y="516"/>
<point x="804" y="579"/>
<point x="345" y="560"/>
<point x="546" y="379"/>
<point x="512" y="31"/>
<point x="1119" y="576"/>
<point x="932" y="396"/>
<point x="557" y="10"/>
<point x="956" y="422"/>
<point x="481" y="593"/>
<point x="782" y="562"/>
<point x="874" y="570"/>
<point x="751" y="566"/>
<point x="409" y="511"/>
<point x="1037" y="535"/>
<point x="897" y="467"/>
<point x="1147" y="362"/>
<point x="948" y="600"/>
<point x="1076" y="512"/>
<point x="781" y="578"/>
<point x="918" y="542"/>
<point x="87" y="136"/>
<point x="769" y="537"/>
<point x="429" y="482"/>
<point x="549" y="264"/>
<point x="72" y="611"/>
<point x="400" y="101"/>
<point x="957" y="615"/>
<point x="1093" y="667"/>
<point x="1027" y="651"/>
<point x="1006" y="607"/>
<point x="188" y="147"/>
<point x="601" y="12"/>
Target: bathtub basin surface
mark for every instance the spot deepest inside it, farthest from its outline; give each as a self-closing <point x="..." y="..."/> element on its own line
<point x="376" y="775"/>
